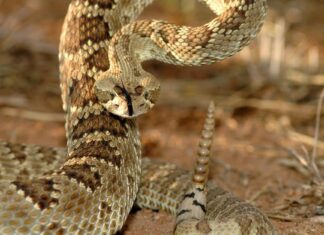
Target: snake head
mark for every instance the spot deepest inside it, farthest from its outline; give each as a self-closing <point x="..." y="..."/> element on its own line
<point x="126" y="97"/>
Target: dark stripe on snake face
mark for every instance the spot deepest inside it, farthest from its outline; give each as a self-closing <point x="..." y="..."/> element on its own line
<point x="83" y="174"/>
<point x="101" y="150"/>
<point x="39" y="190"/>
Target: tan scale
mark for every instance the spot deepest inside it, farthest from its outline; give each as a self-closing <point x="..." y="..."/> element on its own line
<point x="90" y="187"/>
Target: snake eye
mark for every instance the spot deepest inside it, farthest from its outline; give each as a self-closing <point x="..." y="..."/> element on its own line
<point x="118" y="90"/>
<point x="139" y="90"/>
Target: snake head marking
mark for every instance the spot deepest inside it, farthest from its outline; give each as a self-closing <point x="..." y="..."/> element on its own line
<point x="127" y="97"/>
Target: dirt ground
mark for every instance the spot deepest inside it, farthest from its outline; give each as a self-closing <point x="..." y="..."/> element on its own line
<point x="263" y="116"/>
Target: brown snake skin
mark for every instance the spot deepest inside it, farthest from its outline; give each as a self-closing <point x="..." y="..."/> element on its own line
<point x="90" y="187"/>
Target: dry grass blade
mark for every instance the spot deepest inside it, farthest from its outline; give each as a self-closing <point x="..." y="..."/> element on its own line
<point x="286" y="218"/>
<point x="309" y="161"/>
<point x="298" y="77"/>
<point x="304" y="139"/>
<point x="278" y="49"/>
<point x="265" y="189"/>
<point x="316" y="137"/>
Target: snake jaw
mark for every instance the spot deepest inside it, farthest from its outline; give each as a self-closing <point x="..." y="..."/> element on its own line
<point x="117" y="106"/>
<point x="123" y="108"/>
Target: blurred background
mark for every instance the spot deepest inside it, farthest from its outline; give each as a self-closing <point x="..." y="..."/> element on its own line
<point x="267" y="99"/>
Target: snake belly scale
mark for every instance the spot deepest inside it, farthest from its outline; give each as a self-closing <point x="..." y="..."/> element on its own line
<point x="90" y="187"/>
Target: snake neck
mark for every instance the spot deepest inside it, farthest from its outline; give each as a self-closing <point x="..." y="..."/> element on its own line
<point x="95" y="137"/>
<point x="84" y="52"/>
<point x="87" y="30"/>
<point x="102" y="147"/>
<point x="83" y="55"/>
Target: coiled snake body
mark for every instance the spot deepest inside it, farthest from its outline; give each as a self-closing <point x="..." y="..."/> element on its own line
<point x="90" y="187"/>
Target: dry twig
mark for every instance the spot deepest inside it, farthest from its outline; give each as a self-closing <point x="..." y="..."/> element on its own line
<point x="33" y="115"/>
<point x="287" y="218"/>
<point x="265" y="189"/>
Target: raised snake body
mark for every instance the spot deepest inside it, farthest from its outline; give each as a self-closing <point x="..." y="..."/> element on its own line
<point x="90" y="187"/>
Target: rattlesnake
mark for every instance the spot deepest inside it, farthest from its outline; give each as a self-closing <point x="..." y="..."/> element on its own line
<point x="90" y="187"/>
